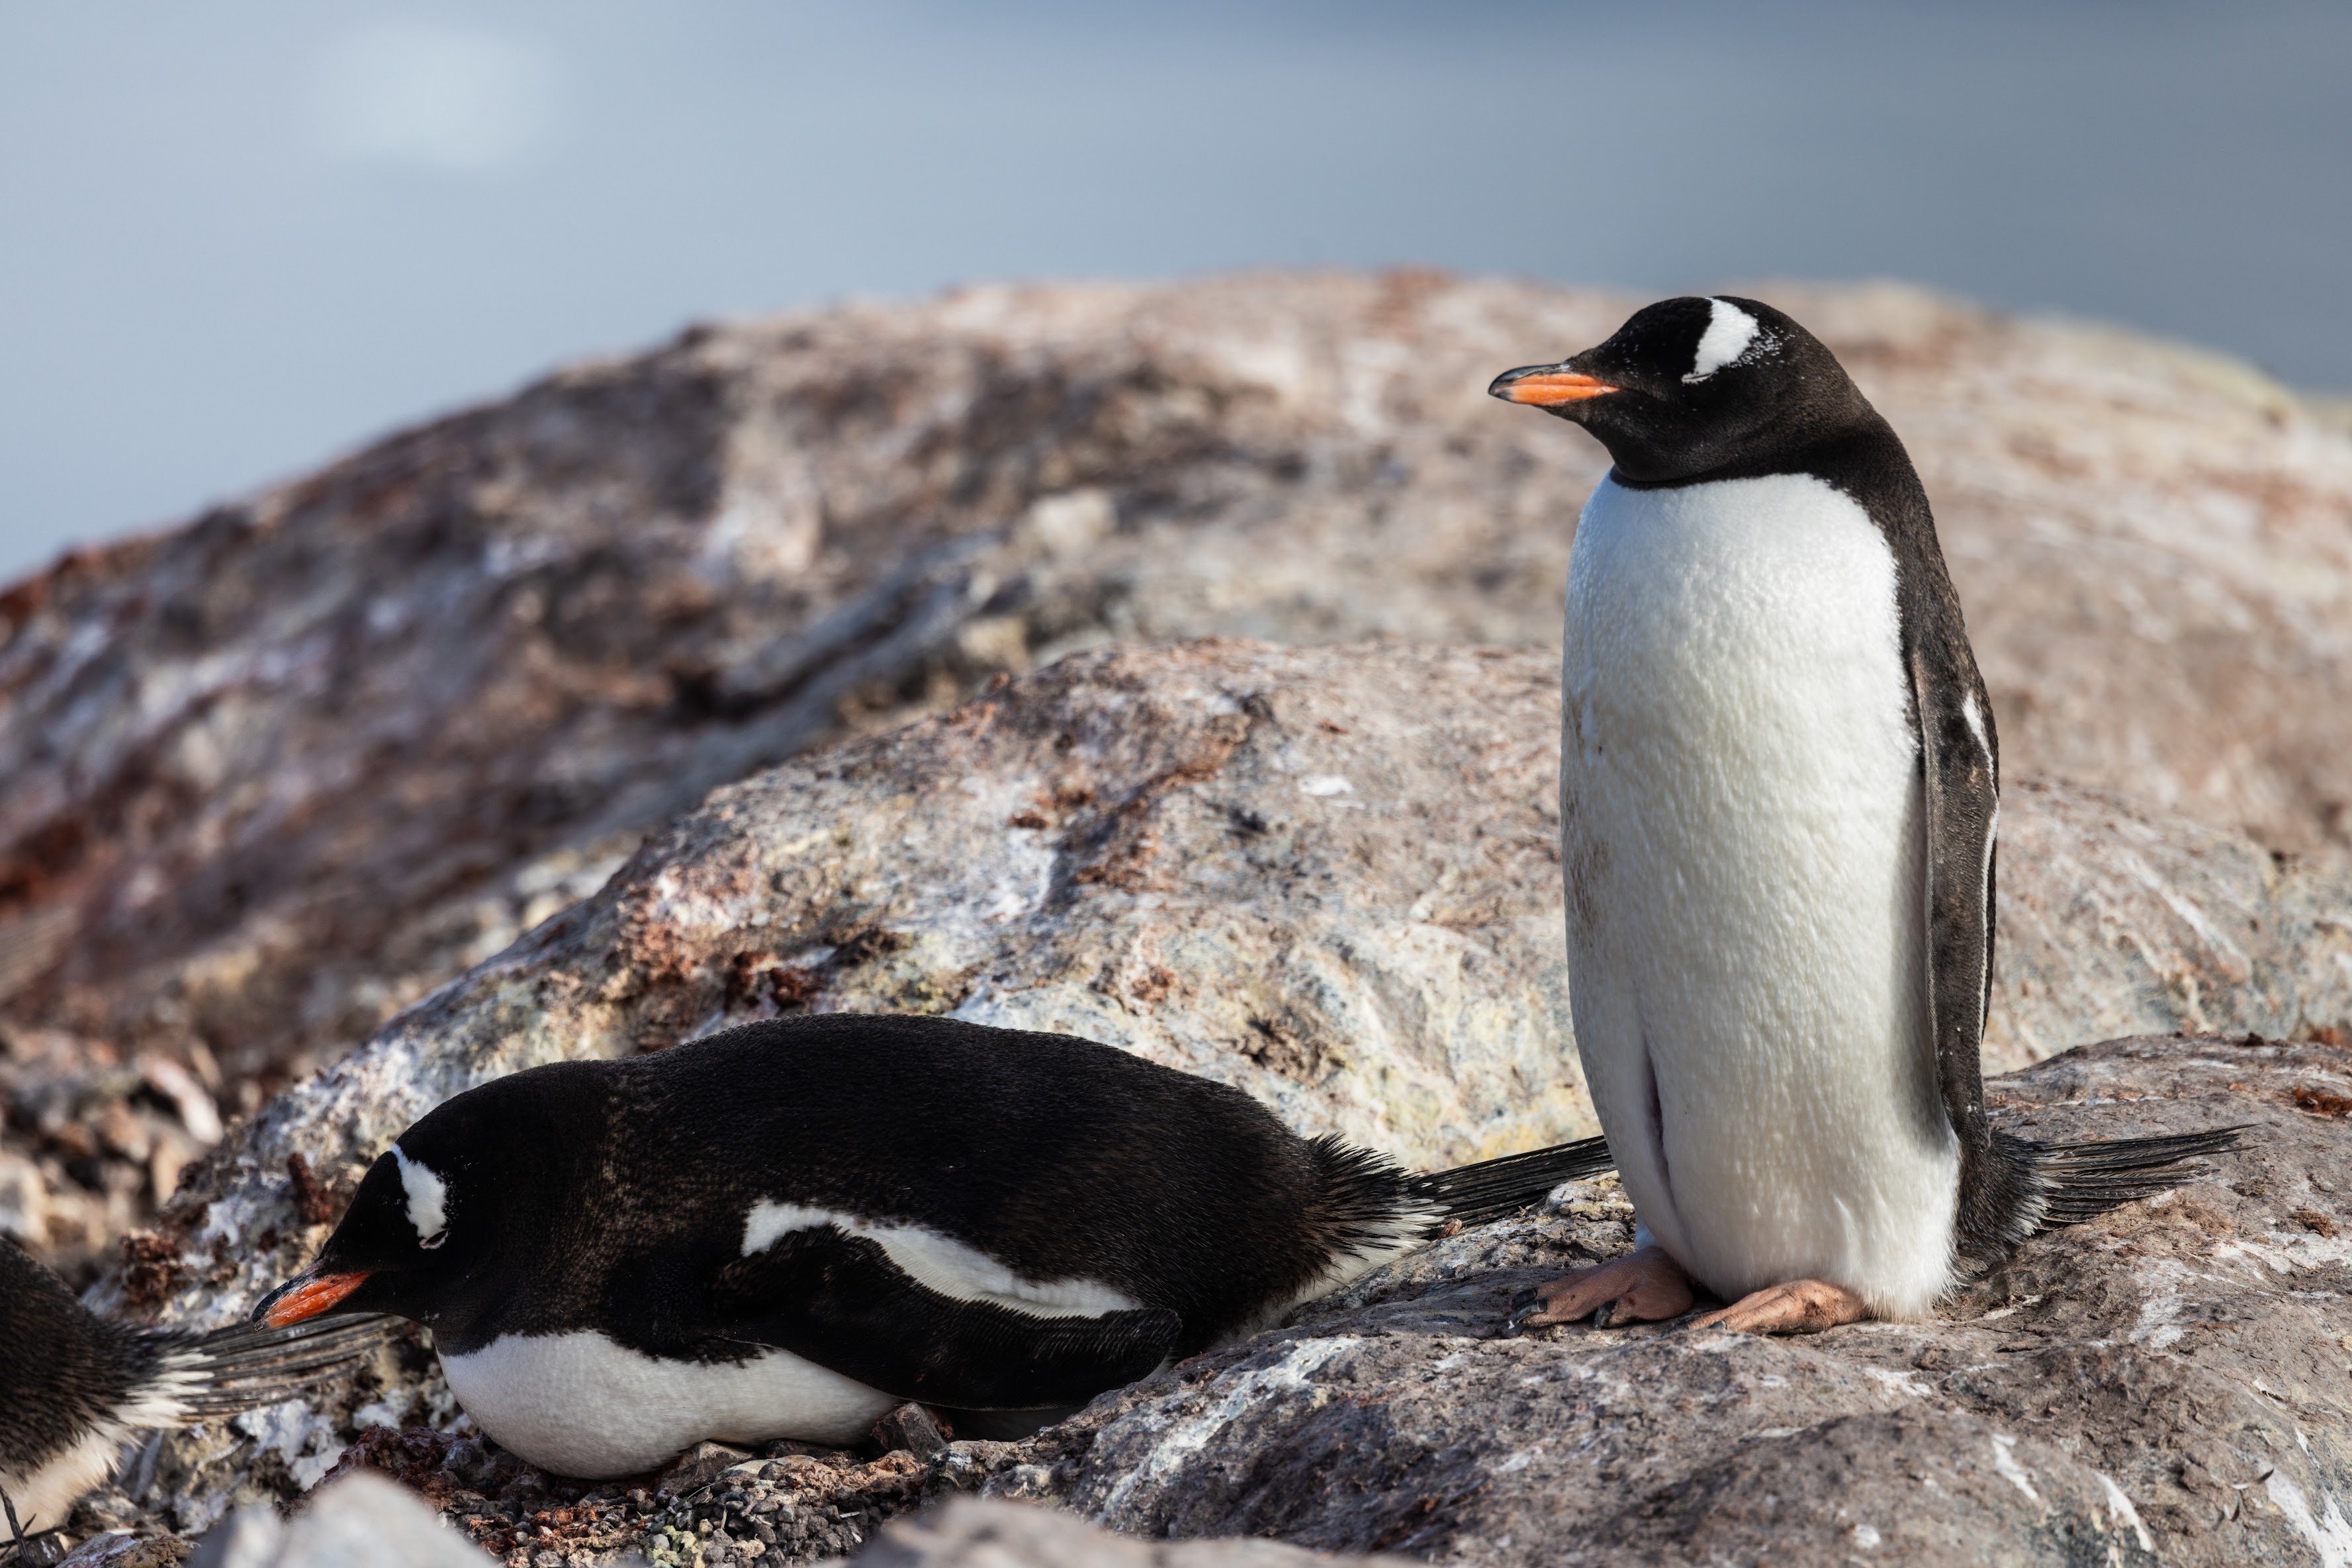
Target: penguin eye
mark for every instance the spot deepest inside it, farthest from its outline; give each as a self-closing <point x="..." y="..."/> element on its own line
<point x="438" y="1237"/>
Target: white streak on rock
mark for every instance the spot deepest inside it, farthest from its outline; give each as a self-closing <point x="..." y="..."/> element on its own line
<point x="1228" y="1399"/>
<point x="2123" y="1511"/>
<point x="2006" y="1463"/>
<point x="2330" y="1533"/>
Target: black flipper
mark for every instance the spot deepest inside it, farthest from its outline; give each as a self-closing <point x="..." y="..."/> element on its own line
<point x="1492" y="1188"/>
<point x="2010" y="1187"/>
<point x="1960" y="761"/>
<point x="838" y="1301"/>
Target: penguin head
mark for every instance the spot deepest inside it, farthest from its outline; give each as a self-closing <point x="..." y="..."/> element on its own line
<point x="445" y="1215"/>
<point x="1689" y="386"/>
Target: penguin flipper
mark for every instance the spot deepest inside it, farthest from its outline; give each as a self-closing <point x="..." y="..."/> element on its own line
<point x="840" y="1302"/>
<point x="1959" y="759"/>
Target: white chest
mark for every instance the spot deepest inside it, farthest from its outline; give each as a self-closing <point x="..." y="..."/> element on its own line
<point x="579" y="1405"/>
<point x="1744" y="844"/>
<point x="44" y="1497"/>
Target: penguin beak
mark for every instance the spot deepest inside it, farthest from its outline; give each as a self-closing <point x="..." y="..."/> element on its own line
<point x="306" y="1295"/>
<point x="1547" y="386"/>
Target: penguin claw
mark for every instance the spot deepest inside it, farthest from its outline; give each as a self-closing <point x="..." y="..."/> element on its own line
<point x="1644" y="1286"/>
<point x="1799" y="1306"/>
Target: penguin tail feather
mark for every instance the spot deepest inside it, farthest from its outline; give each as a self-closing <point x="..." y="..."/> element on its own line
<point x="242" y="1367"/>
<point x="1367" y="1205"/>
<point x="1493" y="1188"/>
<point x="2080" y="1181"/>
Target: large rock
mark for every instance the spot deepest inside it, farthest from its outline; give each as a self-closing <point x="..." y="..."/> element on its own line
<point x="971" y="1533"/>
<point x="1329" y="876"/>
<point x="363" y="1521"/>
<point x="268" y="779"/>
<point x="1326" y="876"/>
<point x="2165" y="1384"/>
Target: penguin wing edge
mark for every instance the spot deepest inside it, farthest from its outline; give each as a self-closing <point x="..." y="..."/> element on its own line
<point x="840" y="1302"/>
<point x="1959" y="759"/>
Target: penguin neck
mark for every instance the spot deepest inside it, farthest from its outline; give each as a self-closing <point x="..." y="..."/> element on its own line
<point x="1791" y="446"/>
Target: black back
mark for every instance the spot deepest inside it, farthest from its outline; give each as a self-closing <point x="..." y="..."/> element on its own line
<point x="1785" y="405"/>
<point x="611" y="1194"/>
<point x="63" y="1369"/>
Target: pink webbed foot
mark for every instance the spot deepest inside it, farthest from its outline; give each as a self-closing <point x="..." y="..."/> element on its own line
<point x="1644" y="1286"/>
<point x="1800" y="1306"/>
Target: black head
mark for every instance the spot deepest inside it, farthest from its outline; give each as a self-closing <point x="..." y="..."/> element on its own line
<point x="449" y="1219"/>
<point x="1689" y="387"/>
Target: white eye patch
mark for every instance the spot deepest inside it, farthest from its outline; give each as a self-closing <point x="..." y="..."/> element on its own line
<point x="1729" y="332"/>
<point x="428" y="1198"/>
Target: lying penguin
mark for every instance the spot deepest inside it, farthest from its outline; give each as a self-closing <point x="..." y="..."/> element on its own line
<point x="787" y="1229"/>
<point x="74" y="1387"/>
<point x="1779" y="790"/>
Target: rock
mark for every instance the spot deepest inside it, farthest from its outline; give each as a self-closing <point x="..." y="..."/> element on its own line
<point x="101" y="1145"/>
<point x="699" y="1467"/>
<point x="2167" y="1383"/>
<point x="2116" y="917"/>
<point x="114" y="1549"/>
<point x="909" y="1429"/>
<point x="23" y="1201"/>
<point x="1326" y="876"/>
<point x="362" y="1521"/>
<point x="972" y="1533"/>
<point x="271" y="778"/>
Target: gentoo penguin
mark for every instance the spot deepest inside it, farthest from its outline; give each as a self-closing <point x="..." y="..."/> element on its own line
<point x="74" y="1386"/>
<point x="789" y="1228"/>
<point x="1779" y="787"/>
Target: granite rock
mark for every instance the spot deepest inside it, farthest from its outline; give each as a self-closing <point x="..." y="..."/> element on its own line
<point x="1328" y="876"/>
<point x="1325" y="876"/>
<point x="270" y="778"/>
<point x="363" y="1521"/>
<point x="2168" y="1383"/>
<point x="971" y="1533"/>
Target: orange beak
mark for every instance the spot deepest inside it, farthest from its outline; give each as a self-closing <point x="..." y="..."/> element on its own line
<point x="1546" y="386"/>
<point x="301" y="1297"/>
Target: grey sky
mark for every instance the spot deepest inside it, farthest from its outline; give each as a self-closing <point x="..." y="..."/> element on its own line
<point x="237" y="238"/>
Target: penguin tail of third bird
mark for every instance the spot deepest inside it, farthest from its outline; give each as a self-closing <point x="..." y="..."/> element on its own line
<point x="243" y="1367"/>
<point x="2079" y="1181"/>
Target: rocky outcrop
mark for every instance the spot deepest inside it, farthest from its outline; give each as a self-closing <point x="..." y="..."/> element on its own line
<point x="361" y="1523"/>
<point x="969" y="1533"/>
<point x="269" y="779"/>
<point x="1326" y="876"/>
<point x="2165" y="1384"/>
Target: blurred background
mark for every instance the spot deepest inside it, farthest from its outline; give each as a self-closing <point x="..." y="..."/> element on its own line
<point x="237" y="238"/>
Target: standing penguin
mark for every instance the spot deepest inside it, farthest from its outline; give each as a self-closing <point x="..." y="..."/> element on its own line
<point x="786" y="1230"/>
<point x="1778" y="790"/>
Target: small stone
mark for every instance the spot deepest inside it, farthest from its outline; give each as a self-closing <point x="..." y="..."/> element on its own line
<point x="698" y="1467"/>
<point x="470" y="1461"/>
<point x="911" y="1428"/>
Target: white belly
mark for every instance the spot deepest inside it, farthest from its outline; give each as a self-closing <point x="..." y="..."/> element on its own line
<point x="45" y="1496"/>
<point x="1743" y="839"/>
<point x="578" y="1405"/>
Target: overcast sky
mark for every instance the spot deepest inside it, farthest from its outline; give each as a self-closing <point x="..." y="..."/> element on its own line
<point x="239" y="237"/>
